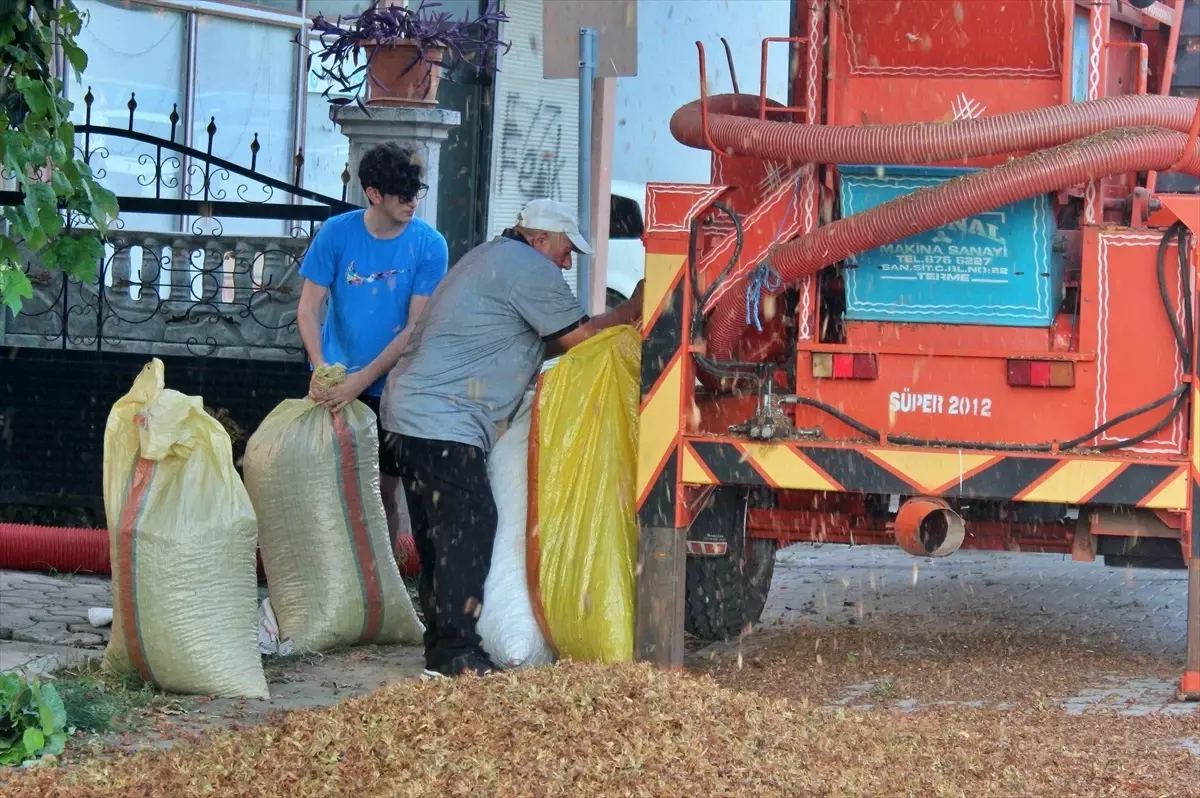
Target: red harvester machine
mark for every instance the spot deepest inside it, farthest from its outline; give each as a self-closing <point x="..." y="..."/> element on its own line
<point x="944" y="297"/>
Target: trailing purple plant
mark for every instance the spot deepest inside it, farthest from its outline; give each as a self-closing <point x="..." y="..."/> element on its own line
<point x="350" y="44"/>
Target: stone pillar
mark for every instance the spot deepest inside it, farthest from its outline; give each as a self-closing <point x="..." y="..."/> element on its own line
<point x="423" y="129"/>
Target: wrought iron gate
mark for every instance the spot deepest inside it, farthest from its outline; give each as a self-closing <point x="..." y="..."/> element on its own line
<point x="172" y="280"/>
<point x="179" y="280"/>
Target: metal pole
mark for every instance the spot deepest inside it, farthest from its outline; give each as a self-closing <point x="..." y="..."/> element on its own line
<point x="587" y="80"/>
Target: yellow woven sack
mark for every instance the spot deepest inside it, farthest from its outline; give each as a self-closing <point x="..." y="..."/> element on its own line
<point x="181" y="542"/>
<point x="582" y="527"/>
<point x="314" y="480"/>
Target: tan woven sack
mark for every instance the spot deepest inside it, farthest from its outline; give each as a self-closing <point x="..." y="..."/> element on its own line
<point x="314" y="480"/>
<point x="181" y="542"/>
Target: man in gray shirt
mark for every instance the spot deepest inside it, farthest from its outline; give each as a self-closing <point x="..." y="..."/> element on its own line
<point x="473" y="354"/>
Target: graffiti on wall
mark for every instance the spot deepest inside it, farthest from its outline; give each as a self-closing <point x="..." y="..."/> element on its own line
<point x="531" y="161"/>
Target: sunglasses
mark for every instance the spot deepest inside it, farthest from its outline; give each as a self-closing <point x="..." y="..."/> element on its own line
<point x="419" y="194"/>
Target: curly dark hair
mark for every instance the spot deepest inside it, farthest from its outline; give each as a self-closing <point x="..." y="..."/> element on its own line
<point x="392" y="170"/>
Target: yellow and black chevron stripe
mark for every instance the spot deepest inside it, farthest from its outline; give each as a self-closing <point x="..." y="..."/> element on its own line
<point x="663" y="368"/>
<point x="1054" y="480"/>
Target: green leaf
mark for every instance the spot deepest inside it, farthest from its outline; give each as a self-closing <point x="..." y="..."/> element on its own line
<point x="9" y="254"/>
<point x="37" y="95"/>
<point x="35" y="132"/>
<point x="10" y="685"/>
<point x="20" y="225"/>
<point x="60" y="253"/>
<point x="90" y="251"/>
<point x="14" y="147"/>
<point x="91" y="248"/>
<point x="15" y="695"/>
<point x="66" y="135"/>
<point x="75" y="55"/>
<point x="34" y="741"/>
<point x="55" y="744"/>
<point x="13" y="756"/>
<point x="77" y="255"/>
<point x="53" y="712"/>
<point x="17" y="56"/>
<point x="60" y="181"/>
<point x="36" y="239"/>
<point x="15" y="288"/>
<point x="41" y="208"/>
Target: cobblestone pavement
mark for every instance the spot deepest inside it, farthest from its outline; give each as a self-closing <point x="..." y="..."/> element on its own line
<point x="1141" y="610"/>
<point x="51" y="610"/>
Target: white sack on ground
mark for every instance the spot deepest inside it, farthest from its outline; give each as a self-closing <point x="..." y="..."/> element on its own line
<point x="510" y="632"/>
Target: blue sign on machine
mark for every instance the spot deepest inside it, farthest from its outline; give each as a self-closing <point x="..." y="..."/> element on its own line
<point x="995" y="268"/>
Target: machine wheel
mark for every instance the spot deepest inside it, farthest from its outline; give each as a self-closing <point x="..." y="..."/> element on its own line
<point x="726" y="593"/>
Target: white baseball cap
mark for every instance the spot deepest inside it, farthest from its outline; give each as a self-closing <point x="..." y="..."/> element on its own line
<point x="553" y="217"/>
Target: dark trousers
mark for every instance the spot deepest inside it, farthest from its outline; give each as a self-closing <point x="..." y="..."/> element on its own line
<point x="454" y="525"/>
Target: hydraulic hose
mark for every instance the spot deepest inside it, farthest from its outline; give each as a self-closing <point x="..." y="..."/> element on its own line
<point x="1112" y="152"/>
<point x="732" y="132"/>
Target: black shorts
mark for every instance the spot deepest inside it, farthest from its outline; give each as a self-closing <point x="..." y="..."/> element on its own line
<point x="387" y="460"/>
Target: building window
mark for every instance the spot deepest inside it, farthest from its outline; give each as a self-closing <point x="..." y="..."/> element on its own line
<point x="326" y="148"/>
<point x="274" y="5"/>
<point x="149" y="67"/>
<point x="234" y="62"/>
<point x="245" y="82"/>
<point x="335" y="8"/>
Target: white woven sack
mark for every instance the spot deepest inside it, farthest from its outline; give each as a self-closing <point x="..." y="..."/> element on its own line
<point x="510" y="632"/>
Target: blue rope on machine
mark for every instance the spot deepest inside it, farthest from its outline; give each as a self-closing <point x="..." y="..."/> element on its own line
<point x="764" y="279"/>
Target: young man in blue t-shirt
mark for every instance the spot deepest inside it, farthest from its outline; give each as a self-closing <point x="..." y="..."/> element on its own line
<point x="377" y="267"/>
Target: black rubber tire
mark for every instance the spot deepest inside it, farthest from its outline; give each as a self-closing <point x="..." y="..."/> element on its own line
<point x="727" y="594"/>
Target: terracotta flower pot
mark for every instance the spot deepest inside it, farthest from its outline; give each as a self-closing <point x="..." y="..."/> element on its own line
<point x="406" y="80"/>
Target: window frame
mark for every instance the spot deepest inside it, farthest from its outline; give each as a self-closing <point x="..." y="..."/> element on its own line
<point x="298" y="20"/>
<point x="232" y="9"/>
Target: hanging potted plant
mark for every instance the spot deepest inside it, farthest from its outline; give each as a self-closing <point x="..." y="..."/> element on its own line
<point x="395" y="56"/>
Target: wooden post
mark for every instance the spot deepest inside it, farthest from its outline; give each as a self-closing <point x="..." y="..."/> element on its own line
<point x="662" y="576"/>
<point x="1189" y="687"/>
<point x="604" y="112"/>
<point x="1083" y="543"/>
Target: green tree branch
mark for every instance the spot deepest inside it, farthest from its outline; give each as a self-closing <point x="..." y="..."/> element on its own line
<point x="37" y="145"/>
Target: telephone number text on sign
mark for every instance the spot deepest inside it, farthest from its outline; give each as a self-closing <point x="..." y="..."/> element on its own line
<point x="960" y="264"/>
<point x="938" y="404"/>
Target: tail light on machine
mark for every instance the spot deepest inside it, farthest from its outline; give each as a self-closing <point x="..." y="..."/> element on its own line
<point x="1041" y="373"/>
<point x="826" y="365"/>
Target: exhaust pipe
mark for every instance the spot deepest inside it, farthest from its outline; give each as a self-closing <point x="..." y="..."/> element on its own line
<point x="927" y="527"/>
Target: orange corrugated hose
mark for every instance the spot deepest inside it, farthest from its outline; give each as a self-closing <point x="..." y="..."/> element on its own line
<point x="1121" y="135"/>
<point x="24" y="547"/>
